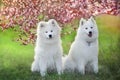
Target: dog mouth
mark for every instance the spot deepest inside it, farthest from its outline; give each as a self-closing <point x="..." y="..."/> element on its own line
<point x="90" y="34"/>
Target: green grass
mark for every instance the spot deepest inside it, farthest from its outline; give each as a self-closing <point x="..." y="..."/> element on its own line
<point x="16" y="59"/>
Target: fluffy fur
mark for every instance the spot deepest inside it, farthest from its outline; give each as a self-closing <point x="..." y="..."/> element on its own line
<point x="83" y="53"/>
<point x="48" y="49"/>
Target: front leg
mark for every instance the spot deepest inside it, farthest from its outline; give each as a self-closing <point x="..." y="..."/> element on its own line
<point x="95" y="65"/>
<point x="58" y="62"/>
<point x="43" y="66"/>
<point x="81" y="67"/>
<point x="35" y="64"/>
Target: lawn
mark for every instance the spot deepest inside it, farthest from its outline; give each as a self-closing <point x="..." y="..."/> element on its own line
<point x="16" y="59"/>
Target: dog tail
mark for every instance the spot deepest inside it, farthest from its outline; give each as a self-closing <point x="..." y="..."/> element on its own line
<point x="68" y="64"/>
<point x="64" y="58"/>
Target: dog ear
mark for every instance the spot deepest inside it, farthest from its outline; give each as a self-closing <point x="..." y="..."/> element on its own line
<point x="41" y="24"/>
<point x="92" y="20"/>
<point x="82" y="21"/>
<point x="54" y="23"/>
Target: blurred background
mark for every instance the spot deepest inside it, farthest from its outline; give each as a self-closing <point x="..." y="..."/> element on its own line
<point x="18" y="20"/>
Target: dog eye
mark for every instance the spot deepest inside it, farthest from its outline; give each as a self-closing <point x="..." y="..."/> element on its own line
<point x="91" y="27"/>
<point x="46" y="31"/>
<point x="51" y="30"/>
<point x="86" y="28"/>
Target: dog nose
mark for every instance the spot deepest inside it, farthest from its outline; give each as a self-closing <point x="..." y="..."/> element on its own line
<point x="90" y="32"/>
<point x="50" y="36"/>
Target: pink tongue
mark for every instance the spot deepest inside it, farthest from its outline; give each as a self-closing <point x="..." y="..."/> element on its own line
<point x="90" y="34"/>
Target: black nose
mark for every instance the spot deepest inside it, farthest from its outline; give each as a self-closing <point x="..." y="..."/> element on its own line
<point x="90" y="32"/>
<point x="50" y="36"/>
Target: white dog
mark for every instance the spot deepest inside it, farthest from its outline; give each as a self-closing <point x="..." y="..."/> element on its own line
<point x="48" y="50"/>
<point x="84" y="50"/>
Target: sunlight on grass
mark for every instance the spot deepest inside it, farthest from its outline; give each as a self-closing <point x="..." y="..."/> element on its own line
<point x="12" y="51"/>
<point x="16" y="59"/>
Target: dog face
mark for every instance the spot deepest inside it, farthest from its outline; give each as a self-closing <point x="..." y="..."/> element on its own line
<point x="88" y="28"/>
<point x="48" y="30"/>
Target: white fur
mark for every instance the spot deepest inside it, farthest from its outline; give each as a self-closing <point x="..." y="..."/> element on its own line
<point x="84" y="50"/>
<point x="48" y="51"/>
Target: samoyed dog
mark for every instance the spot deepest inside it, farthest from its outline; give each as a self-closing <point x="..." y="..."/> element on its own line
<point x="83" y="54"/>
<point x="48" y="49"/>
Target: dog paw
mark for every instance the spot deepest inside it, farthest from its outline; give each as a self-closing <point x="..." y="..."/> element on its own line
<point x="60" y="72"/>
<point x="82" y="72"/>
<point x="95" y="70"/>
<point x="42" y="74"/>
<point x="35" y="67"/>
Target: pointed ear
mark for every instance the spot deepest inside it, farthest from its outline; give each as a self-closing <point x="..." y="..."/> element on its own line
<point x="92" y="20"/>
<point x="54" y="23"/>
<point x="41" y="24"/>
<point x="82" y="21"/>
